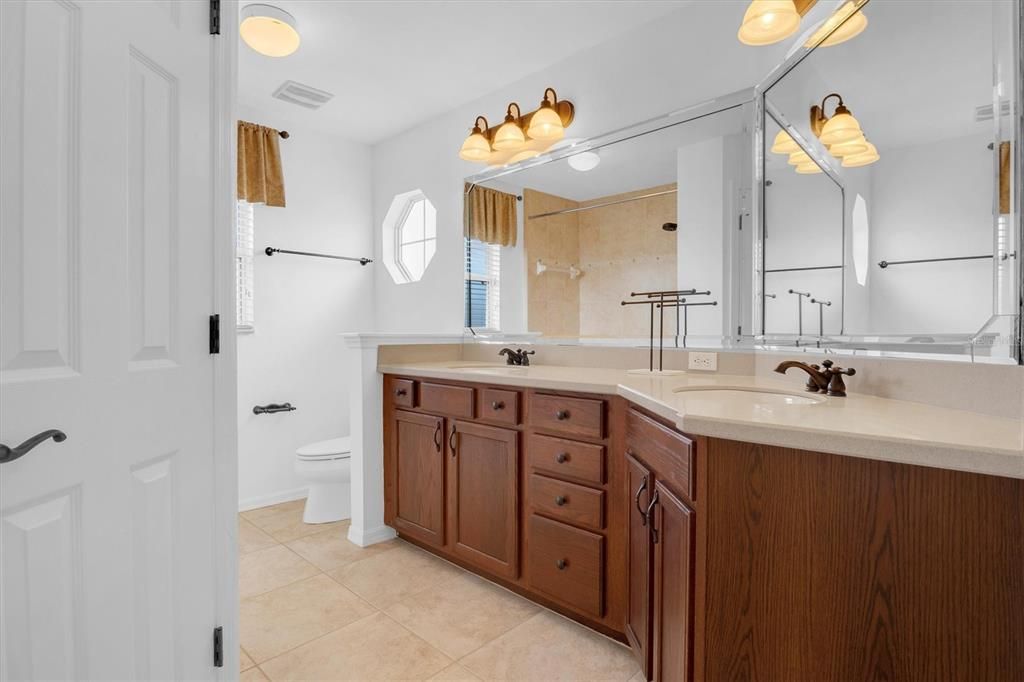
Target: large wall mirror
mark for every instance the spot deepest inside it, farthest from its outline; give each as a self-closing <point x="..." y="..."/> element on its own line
<point x="656" y="208"/>
<point x="901" y="236"/>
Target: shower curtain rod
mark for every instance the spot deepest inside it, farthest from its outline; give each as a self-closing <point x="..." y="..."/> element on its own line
<point x="607" y="203"/>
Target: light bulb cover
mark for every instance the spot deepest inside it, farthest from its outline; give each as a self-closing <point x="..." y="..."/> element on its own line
<point x="269" y="30"/>
<point x="584" y="161"/>
<point x="845" y="23"/>
<point x="799" y="157"/>
<point x="842" y="127"/>
<point x="810" y="168"/>
<point x="510" y="135"/>
<point x="863" y="159"/>
<point x="524" y="155"/>
<point x="546" y="124"/>
<point x="784" y="143"/>
<point x="768" y="21"/>
<point x="857" y="145"/>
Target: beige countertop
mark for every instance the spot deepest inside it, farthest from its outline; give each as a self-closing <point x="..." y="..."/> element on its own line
<point x="857" y="425"/>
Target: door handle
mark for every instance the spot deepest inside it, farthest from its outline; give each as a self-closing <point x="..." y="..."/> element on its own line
<point x="10" y="454"/>
<point x="650" y="510"/>
<point x="451" y="440"/>
<point x="437" y="437"/>
<point x="636" y="500"/>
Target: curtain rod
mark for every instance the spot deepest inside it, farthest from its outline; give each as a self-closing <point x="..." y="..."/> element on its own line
<point x="270" y="251"/>
<point x="284" y="134"/>
<point x="607" y="203"/>
<point x="886" y="263"/>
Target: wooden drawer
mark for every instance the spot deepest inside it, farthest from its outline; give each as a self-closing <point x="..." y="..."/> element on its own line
<point x="566" y="563"/>
<point x="568" y="502"/>
<point x="403" y="393"/>
<point x="456" y="401"/>
<point x="496" y="405"/>
<point x="668" y="452"/>
<point x="566" y="458"/>
<point x="572" y="416"/>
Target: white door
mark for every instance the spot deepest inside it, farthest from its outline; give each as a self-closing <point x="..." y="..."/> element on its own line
<point x="106" y="285"/>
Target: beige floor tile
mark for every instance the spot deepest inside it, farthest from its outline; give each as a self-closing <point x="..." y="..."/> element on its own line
<point x="270" y="568"/>
<point x="392" y="576"/>
<point x="280" y="620"/>
<point x="549" y="647"/>
<point x="252" y="675"/>
<point x="638" y="676"/>
<point x="374" y="648"/>
<point x="256" y="515"/>
<point x="455" y="673"/>
<point x="251" y="538"/>
<point x="461" y="614"/>
<point x="243" y="659"/>
<point x="330" y="549"/>
<point x="286" y="524"/>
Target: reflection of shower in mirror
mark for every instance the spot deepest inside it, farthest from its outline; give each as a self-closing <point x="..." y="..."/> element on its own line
<point x="573" y="271"/>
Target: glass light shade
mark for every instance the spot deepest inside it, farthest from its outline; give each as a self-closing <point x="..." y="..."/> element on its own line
<point x="854" y="146"/>
<point x="799" y="157"/>
<point x="808" y="168"/>
<point x="784" y="144"/>
<point x="476" y="147"/>
<point x="584" y="161"/>
<point x="768" y="21"/>
<point x="849" y="27"/>
<point x="524" y="155"/>
<point x="509" y="136"/>
<point x="269" y="30"/>
<point x="862" y="159"/>
<point x="842" y="127"/>
<point x="546" y="124"/>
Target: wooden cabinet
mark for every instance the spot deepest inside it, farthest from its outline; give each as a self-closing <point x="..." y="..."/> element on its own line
<point x="638" y="610"/>
<point x="483" y="506"/>
<point x="418" y="476"/>
<point x="672" y="526"/>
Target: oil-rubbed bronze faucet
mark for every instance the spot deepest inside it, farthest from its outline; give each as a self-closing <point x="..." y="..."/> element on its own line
<point x="518" y="357"/>
<point x="825" y="378"/>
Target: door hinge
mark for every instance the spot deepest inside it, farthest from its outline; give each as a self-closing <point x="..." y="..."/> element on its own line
<point x="218" y="647"/>
<point x="214" y="334"/>
<point x="214" y="17"/>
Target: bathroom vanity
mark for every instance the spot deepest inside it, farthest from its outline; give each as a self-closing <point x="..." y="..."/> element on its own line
<point x="715" y="557"/>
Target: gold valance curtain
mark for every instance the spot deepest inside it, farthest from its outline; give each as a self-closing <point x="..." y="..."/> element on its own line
<point x="490" y="215"/>
<point x="260" y="178"/>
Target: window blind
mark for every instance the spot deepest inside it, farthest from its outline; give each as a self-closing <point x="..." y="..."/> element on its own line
<point x="244" y="239"/>
<point x="483" y="285"/>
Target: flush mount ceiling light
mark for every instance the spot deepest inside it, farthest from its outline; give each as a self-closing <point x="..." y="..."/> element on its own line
<point x="520" y="136"/>
<point x="769" y="21"/>
<point x="841" y="134"/>
<point x="584" y="161"/>
<point x="269" y="30"/>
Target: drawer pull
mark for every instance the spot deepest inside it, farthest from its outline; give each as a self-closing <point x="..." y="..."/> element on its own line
<point x="560" y="500"/>
<point x="497" y="405"/>
<point x="562" y="457"/>
<point x="438" y="438"/>
<point x="562" y="415"/>
<point x="639" y="491"/>
<point x="400" y="392"/>
<point x="451" y="442"/>
<point x="561" y="564"/>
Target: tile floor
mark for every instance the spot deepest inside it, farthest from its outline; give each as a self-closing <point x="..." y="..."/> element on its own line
<point x="316" y="607"/>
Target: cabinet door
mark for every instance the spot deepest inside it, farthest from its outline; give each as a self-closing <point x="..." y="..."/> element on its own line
<point x="483" y="508"/>
<point x="638" y="614"/>
<point x="418" y="479"/>
<point x="672" y="528"/>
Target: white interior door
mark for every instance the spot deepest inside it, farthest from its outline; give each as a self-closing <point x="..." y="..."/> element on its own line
<point x="106" y="285"/>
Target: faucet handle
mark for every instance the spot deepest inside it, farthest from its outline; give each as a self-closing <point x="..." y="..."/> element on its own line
<point x="836" y="385"/>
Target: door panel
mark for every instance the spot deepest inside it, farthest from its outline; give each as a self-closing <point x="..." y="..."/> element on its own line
<point x="419" y="476"/>
<point x="672" y="530"/>
<point x="484" y="508"/>
<point x="106" y="285"/>
<point x="640" y="482"/>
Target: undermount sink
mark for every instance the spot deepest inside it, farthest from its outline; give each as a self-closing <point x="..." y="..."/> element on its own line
<point x="751" y="396"/>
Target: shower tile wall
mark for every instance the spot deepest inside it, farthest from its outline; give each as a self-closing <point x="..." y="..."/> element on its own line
<point x="553" y="299"/>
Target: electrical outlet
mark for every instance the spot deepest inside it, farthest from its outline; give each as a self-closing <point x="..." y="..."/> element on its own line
<point x="707" y="362"/>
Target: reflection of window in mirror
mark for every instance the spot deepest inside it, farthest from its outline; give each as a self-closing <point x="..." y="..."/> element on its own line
<point x="482" y="285"/>
<point x="861" y="234"/>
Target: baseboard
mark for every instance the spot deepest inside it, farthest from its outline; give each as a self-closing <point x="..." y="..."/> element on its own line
<point x="372" y="536"/>
<point x="272" y="499"/>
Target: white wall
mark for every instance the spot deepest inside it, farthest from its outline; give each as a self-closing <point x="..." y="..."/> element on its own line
<point x="655" y="69"/>
<point x="301" y="305"/>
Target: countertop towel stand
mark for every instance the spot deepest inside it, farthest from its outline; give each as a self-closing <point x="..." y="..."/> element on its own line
<point x="270" y="251"/>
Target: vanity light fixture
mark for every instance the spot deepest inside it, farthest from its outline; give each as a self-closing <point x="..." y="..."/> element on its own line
<point x="520" y="136"/>
<point x="865" y="158"/>
<point x="784" y="144"/>
<point x="269" y="30"/>
<point x="799" y="157"/>
<point x="584" y="161"/>
<point x="841" y="134"/>
<point x="769" y="21"/>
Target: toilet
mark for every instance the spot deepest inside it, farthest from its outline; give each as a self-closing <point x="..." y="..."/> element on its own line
<point x="325" y="466"/>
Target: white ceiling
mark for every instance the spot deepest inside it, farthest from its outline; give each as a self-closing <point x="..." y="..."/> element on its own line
<point x="392" y="65"/>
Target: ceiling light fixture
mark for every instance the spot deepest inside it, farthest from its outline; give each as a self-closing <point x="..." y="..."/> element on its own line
<point x="769" y="21"/>
<point x="269" y="30"/>
<point x="584" y="161"/>
<point x="520" y="136"/>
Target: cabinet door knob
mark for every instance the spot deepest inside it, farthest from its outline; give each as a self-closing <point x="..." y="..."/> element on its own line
<point x="560" y="500"/>
<point x="562" y="457"/>
<point x="497" y="405"/>
<point x="562" y="415"/>
<point x="561" y="563"/>
<point x="400" y="391"/>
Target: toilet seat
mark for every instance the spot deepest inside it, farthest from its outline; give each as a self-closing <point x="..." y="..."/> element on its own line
<point x="335" y="448"/>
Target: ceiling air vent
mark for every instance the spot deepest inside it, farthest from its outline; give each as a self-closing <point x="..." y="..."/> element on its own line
<point x="984" y="112"/>
<point x="302" y="95"/>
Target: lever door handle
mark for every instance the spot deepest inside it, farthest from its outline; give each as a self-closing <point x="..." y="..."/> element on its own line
<point x="10" y="454"/>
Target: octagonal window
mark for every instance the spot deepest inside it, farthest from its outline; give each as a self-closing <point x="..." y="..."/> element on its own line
<point x="410" y="236"/>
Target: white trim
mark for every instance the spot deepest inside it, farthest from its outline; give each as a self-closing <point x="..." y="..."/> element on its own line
<point x="272" y="499"/>
<point x="365" y="538"/>
<point x="374" y="339"/>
